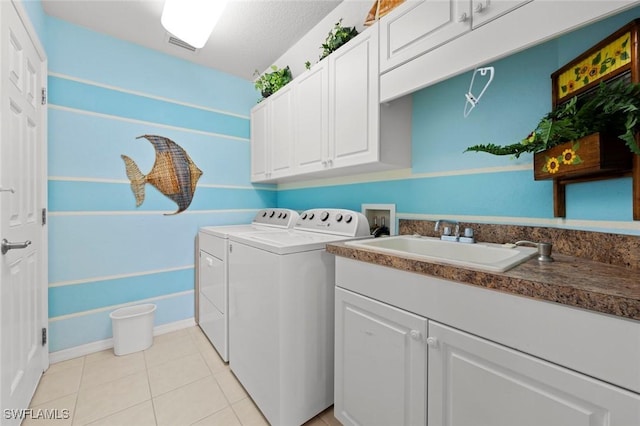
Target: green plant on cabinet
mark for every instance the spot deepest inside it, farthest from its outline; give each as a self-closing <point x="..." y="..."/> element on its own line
<point x="270" y="82"/>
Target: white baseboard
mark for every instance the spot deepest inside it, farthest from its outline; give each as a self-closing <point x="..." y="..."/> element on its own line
<point x="101" y="345"/>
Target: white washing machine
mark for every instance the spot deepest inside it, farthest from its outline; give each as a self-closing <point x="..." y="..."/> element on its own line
<point x="213" y="284"/>
<point x="281" y="301"/>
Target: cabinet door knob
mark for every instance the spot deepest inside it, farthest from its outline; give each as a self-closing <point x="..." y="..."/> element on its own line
<point x="432" y="342"/>
<point x="415" y="335"/>
<point x="479" y="8"/>
<point x="463" y="17"/>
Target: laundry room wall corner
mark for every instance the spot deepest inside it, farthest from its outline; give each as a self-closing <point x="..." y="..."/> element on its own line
<point x="104" y="252"/>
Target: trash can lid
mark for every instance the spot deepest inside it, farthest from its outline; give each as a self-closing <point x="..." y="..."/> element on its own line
<point x="132" y="311"/>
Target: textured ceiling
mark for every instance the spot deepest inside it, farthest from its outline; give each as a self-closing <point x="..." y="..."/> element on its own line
<point x="250" y="36"/>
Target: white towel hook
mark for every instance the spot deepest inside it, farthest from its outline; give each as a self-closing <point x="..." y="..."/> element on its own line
<point x="473" y="100"/>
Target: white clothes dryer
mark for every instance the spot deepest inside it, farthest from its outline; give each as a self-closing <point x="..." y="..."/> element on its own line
<point x="281" y="308"/>
<point x="212" y="272"/>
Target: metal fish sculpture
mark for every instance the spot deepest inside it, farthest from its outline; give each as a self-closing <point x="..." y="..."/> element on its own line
<point x="173" y="173"/>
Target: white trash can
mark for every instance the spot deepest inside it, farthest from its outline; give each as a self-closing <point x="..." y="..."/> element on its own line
<point x="132" y="328"/>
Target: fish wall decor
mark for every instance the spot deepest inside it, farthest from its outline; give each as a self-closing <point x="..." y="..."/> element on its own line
<point x="174" y="173"/>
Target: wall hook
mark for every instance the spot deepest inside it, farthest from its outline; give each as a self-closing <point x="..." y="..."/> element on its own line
<point x="473" y="100"/>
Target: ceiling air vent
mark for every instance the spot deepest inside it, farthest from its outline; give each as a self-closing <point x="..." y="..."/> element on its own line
<point x="180" y="43"/>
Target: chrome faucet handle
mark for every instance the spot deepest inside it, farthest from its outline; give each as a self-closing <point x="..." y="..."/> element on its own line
<point x="544" y="249"/>
<point x="450" y="222"/>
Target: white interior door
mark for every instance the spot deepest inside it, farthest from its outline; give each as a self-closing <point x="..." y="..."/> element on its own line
<point x="23" y="285"/>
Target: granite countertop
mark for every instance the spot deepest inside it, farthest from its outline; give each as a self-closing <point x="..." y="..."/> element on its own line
<point x="571" y="281"/>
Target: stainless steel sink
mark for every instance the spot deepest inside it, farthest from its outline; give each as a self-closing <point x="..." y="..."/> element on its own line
<point x="486" y="256"/>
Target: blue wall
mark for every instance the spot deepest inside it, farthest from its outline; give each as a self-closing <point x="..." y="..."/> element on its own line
<point x="103" y="251"/>
<point x="444" y="181"/>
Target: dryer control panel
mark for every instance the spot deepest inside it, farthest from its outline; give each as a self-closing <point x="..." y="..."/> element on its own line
<point x="333" y="221"/>
<point x="281" y="218"/>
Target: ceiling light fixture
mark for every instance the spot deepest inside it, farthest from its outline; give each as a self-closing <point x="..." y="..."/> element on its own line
<point x="192" y="20"/>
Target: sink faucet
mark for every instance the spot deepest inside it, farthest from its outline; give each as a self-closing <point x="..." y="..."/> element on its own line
<point x="450" y="222"/>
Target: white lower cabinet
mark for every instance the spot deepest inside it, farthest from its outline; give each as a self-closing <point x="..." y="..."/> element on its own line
<point x="394" y="367"/>
<point x="380" y="363"/>
<point x="473" y="381"/>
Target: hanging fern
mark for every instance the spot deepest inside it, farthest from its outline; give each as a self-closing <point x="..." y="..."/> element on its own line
<point x="613" y="108"/>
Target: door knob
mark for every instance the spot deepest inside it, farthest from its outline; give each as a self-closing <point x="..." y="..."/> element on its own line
<point x="432" y="342"/>
<point x="6" y="245"/>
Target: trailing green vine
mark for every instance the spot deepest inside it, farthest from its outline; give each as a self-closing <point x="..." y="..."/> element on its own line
<point x="338" y="36"/>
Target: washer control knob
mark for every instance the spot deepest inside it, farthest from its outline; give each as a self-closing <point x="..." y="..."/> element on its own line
<point x="348" y="218"/>
<point x="304" y="216"/>
<point x="264" y="213"/>
<point x="273" y="213"/>
<point x="284" y="215"/>
<point x="338" y="217"/>
<point x="311" y="216"/>
<point x="324" y="216"/>
<point x="280" y="215"/>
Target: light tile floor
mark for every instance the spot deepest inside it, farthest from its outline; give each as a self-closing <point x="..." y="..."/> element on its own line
<point x="180" y="380"/>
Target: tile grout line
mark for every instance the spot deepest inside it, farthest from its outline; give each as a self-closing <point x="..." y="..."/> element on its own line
<point x="153" y="404"/>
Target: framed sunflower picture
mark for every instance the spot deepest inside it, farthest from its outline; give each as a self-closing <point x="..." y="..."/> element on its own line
<point x="614" y="57"/>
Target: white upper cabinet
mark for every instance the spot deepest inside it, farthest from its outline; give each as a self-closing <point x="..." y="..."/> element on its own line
<point x="259" y="133"/>
<point x="272" y="136"/>
<point x="487" y="10"/>
<point x="419" y="26"/>
<point x="329" y="120"/>
<point x="281" y="119"/>
<point x="415" y="57"/>
<point x="311" y="98"/>
<point x="354" y="109"/>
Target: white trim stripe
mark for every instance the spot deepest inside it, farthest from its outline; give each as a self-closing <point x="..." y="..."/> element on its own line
<point x="144" y="95"/>
<point x="401" y="174"/>
<point x="147" y="123"/>
<point x="127" y="182"/>
<point x="122" y="305"/>
<point x="119" y="276"/>
<point x="531" y="221"/>
<point x="146" y="212"/>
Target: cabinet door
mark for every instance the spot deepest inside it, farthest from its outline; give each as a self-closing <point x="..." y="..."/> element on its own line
<point x="354" y="109"/>
<point x="473" y="381"/>
<point x="281" y="132"/>
<point x="311" y="100"/>
<point x="259" y="140"/>
<point x="419" y="26"/>
<point x="488" y="10"/>
<point x="380" y="363"/>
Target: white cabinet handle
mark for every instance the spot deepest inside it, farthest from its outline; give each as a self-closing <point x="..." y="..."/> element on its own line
<point x="463" y="18"/>
<point x="432" y="342"/>
<point x="415" y="335"/>
<point x="479" y="8"/>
